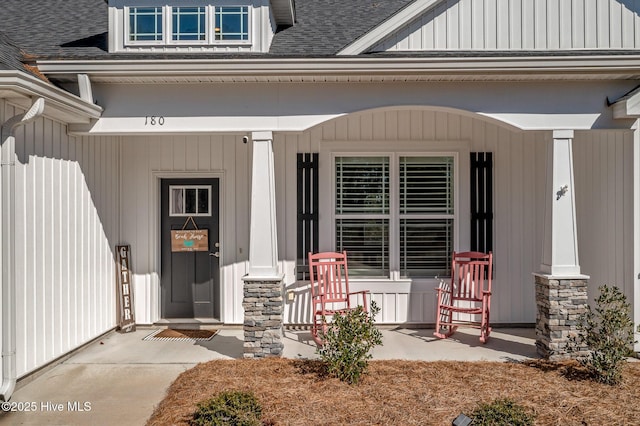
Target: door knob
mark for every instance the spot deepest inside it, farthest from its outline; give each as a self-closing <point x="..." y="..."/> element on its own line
<point x="216" y="254"/>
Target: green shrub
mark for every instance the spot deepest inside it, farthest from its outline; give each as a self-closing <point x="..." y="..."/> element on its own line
<point x="347" y="342"/>
<point x="233" y="408"/>
<point x="502" y="412"/>
<point x="608" y="334"/>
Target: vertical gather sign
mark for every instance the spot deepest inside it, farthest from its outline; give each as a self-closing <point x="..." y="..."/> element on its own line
<point x="127" y="322"/>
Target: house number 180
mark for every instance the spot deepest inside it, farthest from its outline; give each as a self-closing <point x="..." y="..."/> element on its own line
<point x="153" y="121"/>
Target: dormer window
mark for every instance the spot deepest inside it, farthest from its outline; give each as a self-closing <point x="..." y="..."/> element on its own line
<point x="187" y="25"/>
<point x="145" y="24"/>
<point x="196" y="26"/>
<point x="232" y="23"/>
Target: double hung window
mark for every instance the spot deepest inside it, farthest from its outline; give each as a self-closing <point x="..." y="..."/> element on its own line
<point x="363" y="213"/>
<point x="395" y="214"/>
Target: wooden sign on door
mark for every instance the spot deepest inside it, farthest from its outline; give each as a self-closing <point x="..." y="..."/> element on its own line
<point x="190" y="240"/>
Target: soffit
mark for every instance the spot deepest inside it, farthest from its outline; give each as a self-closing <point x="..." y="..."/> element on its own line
<point x="283" y="11"/>
<point x="350" y="70"/>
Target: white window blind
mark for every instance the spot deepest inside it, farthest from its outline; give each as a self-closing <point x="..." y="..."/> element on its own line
<point x="362" y="185"/>
<point x="362" y="212"/>
<point x="423" y="216"/>
<point x="426" y="185"/>
<point x="367" y="242"/>
<point x="426" y="215"/>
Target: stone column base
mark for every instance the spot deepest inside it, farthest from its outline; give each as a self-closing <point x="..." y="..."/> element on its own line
<point x="560" y="302"/>
<point x="263" y="305"/>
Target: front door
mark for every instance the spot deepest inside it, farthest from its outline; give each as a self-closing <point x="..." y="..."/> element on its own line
<point x="190" y="279"/>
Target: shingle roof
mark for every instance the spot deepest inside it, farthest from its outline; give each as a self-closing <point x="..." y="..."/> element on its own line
<point x="10" y="54"/>
<point x="78" y="28"/>
<point x="56" y="28"/>
<point x="324" y="27"/>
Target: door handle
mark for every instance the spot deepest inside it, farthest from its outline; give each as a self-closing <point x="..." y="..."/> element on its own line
<point x="216" y="254"/>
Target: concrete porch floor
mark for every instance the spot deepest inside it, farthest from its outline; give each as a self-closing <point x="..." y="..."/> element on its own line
<point x="122" y="377"/>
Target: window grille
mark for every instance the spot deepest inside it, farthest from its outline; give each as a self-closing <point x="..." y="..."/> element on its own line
<point x="232" y="23"/>
<point x="145" y="24"/>
<point x="188" y="23"/>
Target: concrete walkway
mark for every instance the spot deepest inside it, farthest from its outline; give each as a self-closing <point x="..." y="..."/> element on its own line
<point x="119" y="379"/>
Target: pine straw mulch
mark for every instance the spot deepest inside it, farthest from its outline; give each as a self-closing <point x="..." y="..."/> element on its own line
<point x="298" y="392"/>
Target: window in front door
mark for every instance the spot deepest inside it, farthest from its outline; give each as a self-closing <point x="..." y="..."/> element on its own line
<point x="193" y="200"/>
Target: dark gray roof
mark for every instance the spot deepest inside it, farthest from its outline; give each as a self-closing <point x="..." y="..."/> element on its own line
<point x="10" y="54"/>
<point x="56" y="28"/>
<point x="324" y="27"/>
<point x="78" y="28"/>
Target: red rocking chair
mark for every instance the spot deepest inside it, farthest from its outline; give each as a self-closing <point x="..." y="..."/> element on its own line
<point x="467" y="297"/>
<point x="330" y="290"/>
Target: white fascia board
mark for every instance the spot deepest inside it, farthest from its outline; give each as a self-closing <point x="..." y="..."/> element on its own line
<point x="58" y="100"/>
<point x="402" y="17"/>
<point x="232" y="69"/>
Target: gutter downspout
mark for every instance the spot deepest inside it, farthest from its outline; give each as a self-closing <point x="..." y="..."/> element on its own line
<point x="7" y="246"/>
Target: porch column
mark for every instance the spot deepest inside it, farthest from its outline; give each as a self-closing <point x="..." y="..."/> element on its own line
<point x="561" y="290"/>
<point x="263" y="301"/>
<point x="636" y="228"/>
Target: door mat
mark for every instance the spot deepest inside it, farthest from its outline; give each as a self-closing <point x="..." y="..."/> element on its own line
<point x="175" y="335"/>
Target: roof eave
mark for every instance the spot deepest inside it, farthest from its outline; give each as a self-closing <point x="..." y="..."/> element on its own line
<point x="21" y="88"/>
<point x="627" y="66"/>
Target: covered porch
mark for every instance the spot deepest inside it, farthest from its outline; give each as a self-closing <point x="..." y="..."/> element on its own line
<point x="135" y="373"/>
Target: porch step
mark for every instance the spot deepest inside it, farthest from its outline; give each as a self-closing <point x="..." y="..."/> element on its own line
<point x="189" y="323"/>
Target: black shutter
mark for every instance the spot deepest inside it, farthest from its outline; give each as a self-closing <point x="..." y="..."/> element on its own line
<point x="307" y="211"/>
<point x="482" y="201"/>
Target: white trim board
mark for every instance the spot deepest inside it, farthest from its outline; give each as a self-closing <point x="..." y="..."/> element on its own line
<point x="392" y="24"/>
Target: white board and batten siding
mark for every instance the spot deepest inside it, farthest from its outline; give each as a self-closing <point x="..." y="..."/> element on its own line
<point x="146" y="160"/>
<point x="603" y="164"/>
<point x="521" y="25"/>
<point x="519" y="181"/>
<point x="66" y="228"/>
<point x="68" y="188"/>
